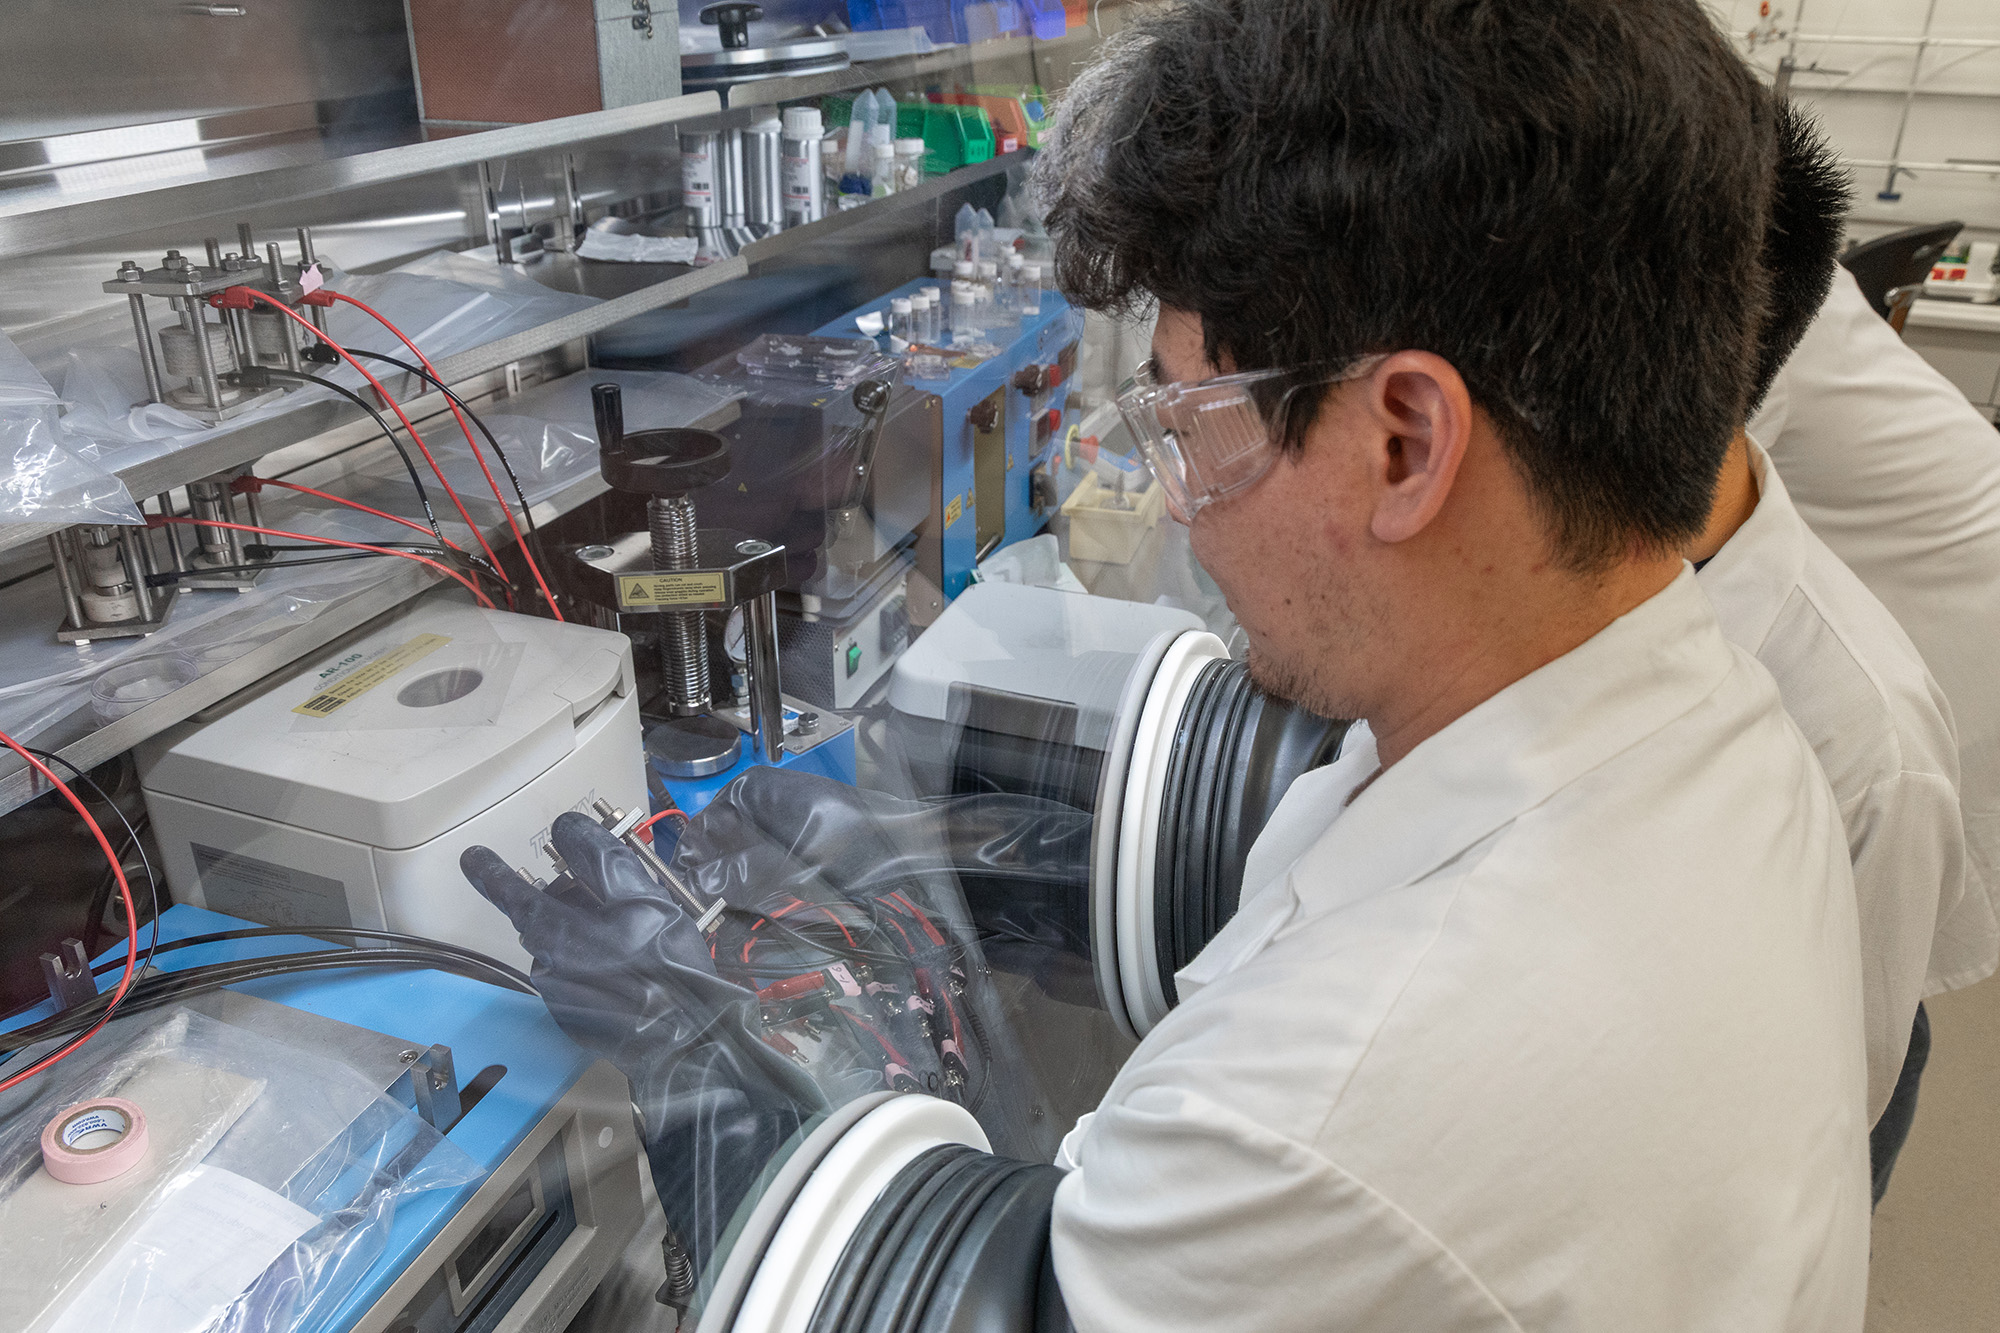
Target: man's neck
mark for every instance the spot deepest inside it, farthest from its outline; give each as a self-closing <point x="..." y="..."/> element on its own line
<point x="1538" y="621"/>
<point x="1735" y="500"/>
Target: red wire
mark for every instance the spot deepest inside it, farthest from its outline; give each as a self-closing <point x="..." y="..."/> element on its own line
<point x="131" y="919"/>
<point x="471" y="443"/>
<point x="872" y="1031"/>
<point x="401" y="416"/>
<point x="154" y="520"/>
<point x="645" y="824"/>
<point x="929" y="929"/>
<point x="827" y="912"/>
<point x="351" y="504"/>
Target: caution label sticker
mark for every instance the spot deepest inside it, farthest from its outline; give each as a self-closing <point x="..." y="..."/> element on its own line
<point x="644" y="592"/>
<point x="953" y="510"/>
<point x="357" y="683"/>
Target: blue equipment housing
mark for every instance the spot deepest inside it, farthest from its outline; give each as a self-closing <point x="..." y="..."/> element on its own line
<point x="997" y="435"/>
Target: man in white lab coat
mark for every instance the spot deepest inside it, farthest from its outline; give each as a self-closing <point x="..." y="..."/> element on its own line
<point x="1888" y="463"/>
<point x="1851" y="679"/>
<point x="1895" y="471"/>
<point x="1542" y="1009"/>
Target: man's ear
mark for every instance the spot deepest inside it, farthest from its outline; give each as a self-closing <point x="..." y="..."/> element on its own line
<point x="1421" y="414"/>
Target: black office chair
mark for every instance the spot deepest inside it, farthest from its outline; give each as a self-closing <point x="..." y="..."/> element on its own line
<point x="1891" y="269"/>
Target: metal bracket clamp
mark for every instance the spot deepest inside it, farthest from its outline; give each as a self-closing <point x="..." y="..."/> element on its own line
<point x="731" y="568"/>
<point x="430" y="1086"/>
<point x="68" y="975"/>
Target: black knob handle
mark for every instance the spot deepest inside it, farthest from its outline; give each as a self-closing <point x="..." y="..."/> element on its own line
<point x="984" y="415"/>
<point x="734" y="18"/>
<point x="607" y="404"/>
<point x="871" y="397"/>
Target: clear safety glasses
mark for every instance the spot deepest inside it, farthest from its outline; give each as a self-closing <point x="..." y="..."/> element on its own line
<point x="1209" y="439"/>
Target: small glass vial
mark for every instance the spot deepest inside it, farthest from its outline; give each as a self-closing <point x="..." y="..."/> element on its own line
<point x="899" y="321"/>
<point x="939" y="316"/>
<point x="920" y="319"/>
<point x="964" y="318"/>
<point x="1031" y="290"/>
<point x="909" y="164"/>
<point x="1003" y="303"/>
<point x="883" y="177"/>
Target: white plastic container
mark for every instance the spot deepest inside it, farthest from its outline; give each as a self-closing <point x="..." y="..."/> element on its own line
<point x="1108" y="535"/>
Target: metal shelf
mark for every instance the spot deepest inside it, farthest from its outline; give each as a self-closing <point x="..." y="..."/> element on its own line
<point x="770" y="92"/>
<point x="770" y="247"/>
<point x="232" y="448"/>
<point x="38" y="218"/>
<point x="226" y="449"/>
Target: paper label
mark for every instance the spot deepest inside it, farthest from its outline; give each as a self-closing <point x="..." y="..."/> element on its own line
<point x="640" y="592"/>
<point x="953" y="510"/>
<point x="211" y="1235"/>
<point x="357" y="683"/>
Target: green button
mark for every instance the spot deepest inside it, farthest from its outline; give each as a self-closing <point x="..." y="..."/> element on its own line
<point x="853" y="658"/>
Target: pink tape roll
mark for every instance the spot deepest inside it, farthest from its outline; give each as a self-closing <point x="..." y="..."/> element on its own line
<point x="94" y="1140"/>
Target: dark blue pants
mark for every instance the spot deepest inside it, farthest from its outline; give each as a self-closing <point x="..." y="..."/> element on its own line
<point x="1885" y="1141"/>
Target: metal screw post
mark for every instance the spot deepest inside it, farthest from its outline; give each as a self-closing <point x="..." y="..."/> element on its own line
<point x="65" y="579"/>
<point x="670" y="521"/>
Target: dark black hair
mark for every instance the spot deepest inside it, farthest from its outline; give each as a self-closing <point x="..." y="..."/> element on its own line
<point x="1808" y="206"/>
<point x="1566" y="199"/>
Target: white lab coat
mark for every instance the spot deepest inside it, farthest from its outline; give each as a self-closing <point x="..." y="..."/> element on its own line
<point x="1555" y="1027"/>
<point x="1899" y="475"/>
<point x="1856" y="686"/>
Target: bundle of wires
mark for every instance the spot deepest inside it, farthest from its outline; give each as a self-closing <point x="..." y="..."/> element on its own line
<point x="325" y="348"/>
<point x="911" y="1015"/>
<point x="165" y="988"/>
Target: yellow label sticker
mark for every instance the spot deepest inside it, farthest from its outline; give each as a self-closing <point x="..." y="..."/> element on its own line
<point x="638" y="592"/>
<point x="358" y="682"/>
<point x="953" y="510"/>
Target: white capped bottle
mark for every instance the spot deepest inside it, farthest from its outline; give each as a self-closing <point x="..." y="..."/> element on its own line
<point x="805" y="177"/>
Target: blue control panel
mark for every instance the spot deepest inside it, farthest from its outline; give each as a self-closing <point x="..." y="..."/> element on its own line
<point x="1001" y="421"/>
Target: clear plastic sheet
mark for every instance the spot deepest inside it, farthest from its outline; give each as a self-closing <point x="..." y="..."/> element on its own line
<point x="47" y="473"/>
<point x="549" y="435"/>
<point x="48" y="479"/>
<point x="45" y="680"/>
<point x="444" y="302"/>
<point x="263" y="1218"/>
<point x="21" y="385"/>
<point x="105" y="389"/>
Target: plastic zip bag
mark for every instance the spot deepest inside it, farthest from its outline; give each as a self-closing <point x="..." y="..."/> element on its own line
<point x="45" y="479"/>
<point x="300" y="1189"/>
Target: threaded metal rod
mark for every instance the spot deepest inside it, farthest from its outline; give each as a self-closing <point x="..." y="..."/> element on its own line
<point x="670" y="522"/>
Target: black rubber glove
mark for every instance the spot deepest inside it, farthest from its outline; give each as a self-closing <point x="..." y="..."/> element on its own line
<point x="625" y="973"/>
<point x="894" y="877"/>
<point x="1021" y="864"/>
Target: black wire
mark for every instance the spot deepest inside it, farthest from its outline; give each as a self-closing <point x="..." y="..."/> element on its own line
<point x="341" y="932"/>
<point x="131" y="834"/>
<point x="534" y="532"/>
<point x="173" y="576"/>
<point x="416" y="479"/>
<point x="169" y="987"/>
<point x="113" y="1005"/>
<point x="35" y="573"/>
<point x="477" y="563"/>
